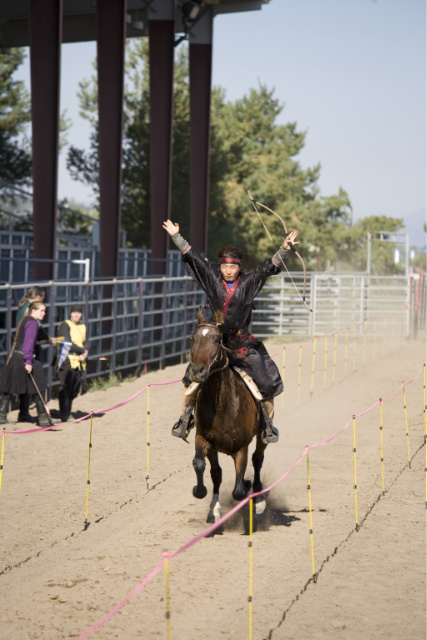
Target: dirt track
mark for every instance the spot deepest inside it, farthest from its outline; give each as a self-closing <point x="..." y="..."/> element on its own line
<point x="58" y="579"/>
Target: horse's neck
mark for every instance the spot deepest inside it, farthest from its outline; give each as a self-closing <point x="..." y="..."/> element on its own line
<point x="221" y="382"/>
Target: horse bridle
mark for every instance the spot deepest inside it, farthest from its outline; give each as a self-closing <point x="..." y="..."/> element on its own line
<point x="220" y="346"/>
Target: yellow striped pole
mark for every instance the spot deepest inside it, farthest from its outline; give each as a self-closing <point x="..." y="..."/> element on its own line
<point x="335" y="358"/>
<point x="283" y="375"/>
<point x="2" y="456"/>
<point x="346" y="353"/>
<point x="355" y="470"/>
<point x="251" y="528"/>
<point x="299" y="375"/>
<point x="326" y="362"/>
<point x="165" y="555"/>
<point x="406" y="423"/>
<point x="311" y="518"/>
<point x="365" y="329"/>
<point x="312" y="367"/>
<point x="88" y="471"/>
<point x="147" y="477"/>
<point x="382" y="446"/>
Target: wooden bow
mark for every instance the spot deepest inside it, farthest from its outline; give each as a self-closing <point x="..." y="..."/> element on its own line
<point x="293" y="248"/>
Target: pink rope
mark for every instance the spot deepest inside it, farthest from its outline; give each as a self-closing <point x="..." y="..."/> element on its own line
<point x="121" y="604"/>
<point x="224" y="518"/>
<point x="182" y="549"/>
<point x="92" y="413"/>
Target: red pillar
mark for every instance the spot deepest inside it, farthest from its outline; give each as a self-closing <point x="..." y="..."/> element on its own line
<point x="111" y="34"/>
<point x="161" y="48"/>
<point x="45" y="59"/>
<point x="200" y="104"/>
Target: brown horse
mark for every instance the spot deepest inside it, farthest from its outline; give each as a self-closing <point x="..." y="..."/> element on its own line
<point x="227" y="416"/>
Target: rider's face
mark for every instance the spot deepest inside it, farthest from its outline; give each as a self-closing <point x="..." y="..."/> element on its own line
<point x="229" y="271"/>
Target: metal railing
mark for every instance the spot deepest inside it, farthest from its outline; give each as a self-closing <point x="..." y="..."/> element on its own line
<point x="140" y="323"/>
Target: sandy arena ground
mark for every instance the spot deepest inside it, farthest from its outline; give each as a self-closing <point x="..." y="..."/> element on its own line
<point x="58" y="579"/>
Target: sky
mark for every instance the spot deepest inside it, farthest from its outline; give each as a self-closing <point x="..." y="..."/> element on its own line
<point x="351" y="73"/>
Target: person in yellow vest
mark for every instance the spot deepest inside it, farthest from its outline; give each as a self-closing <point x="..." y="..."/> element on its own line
<point x="71" y="359"/>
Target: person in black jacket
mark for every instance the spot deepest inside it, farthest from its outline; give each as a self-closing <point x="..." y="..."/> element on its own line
<point x="71" y="367"/>
<point x="231" y="291"/>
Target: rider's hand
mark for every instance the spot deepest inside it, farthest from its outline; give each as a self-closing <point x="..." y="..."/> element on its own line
<point x="290" y="239"/>
<point x="28" y="368"/>
<point x="171" y="227"/>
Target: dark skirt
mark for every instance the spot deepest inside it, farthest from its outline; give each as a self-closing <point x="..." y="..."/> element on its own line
<point x="14" y="378"/>
<point x="256" y="361"/>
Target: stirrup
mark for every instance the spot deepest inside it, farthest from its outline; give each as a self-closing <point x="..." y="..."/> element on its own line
<point x="270" y="434"/>
<point x="184" y="425"/>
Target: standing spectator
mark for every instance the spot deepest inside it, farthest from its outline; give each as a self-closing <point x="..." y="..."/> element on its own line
<point x="34" y="294"/>
<point x="15" y="377"/>
<point x="72" y="364"/>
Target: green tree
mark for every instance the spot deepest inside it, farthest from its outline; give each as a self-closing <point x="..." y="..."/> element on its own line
<point x="15" y="114"/>
<point x="249" y="150"/>
<point x="84" y="165"/>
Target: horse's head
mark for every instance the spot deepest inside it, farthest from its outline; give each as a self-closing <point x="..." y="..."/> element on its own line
<point x="206" y="353"/>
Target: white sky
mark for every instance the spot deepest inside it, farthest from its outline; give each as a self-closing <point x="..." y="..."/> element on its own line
<point x="352" y="73"/>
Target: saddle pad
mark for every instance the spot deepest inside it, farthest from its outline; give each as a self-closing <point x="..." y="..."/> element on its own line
<point x="250" y="383"/>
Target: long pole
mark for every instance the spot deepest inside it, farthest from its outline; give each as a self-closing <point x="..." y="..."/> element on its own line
<point x="40" y="395"/>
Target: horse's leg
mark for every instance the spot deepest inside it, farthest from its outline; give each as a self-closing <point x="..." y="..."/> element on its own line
<point x="216" y="475"/>
<point x="257" y="461"/>
<point x="199" y="464"/>
<point x="240" y="462"/>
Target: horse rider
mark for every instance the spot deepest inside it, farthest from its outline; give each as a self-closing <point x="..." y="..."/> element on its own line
<point x="232" y="291"/>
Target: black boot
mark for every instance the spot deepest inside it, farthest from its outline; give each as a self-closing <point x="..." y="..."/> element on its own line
<point x="4" y="408"/>
<point x="269" y="434"/>
<point x="186" y="422"/>
<point x="44" y="419"/>
<point x="64" y="406"/>
<point x="24" y="409"/>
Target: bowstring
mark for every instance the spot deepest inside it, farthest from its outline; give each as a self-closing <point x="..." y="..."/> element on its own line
<point x="281" y="259"/>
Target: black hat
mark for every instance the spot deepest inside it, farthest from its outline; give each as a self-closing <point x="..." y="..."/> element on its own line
<point x="76" y="307"/>
<point x="230" y="255"/>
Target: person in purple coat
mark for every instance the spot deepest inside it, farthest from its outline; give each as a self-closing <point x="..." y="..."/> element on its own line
<point x="15" y="377"/>
<point x="232" y="291"/>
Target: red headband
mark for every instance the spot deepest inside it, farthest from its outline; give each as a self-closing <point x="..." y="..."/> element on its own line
<point x="230" y="260"/>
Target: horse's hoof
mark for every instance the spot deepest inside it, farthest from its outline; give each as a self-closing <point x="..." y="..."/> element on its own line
<point x="200" y="492"/>
<point x="260" y="506"/>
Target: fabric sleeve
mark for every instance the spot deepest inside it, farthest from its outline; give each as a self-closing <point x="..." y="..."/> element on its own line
<point x="279" y="256"/>
<point x="181" y="243"/>
<point x="30" y="334"/>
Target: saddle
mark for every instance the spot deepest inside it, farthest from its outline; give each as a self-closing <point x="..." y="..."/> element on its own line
<point x="249" y="382"/>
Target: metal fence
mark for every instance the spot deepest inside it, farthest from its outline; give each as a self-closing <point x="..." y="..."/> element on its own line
<point x="17" y="259"/>
<point x="141" y="323"/>
<point x="341" y="301"/>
